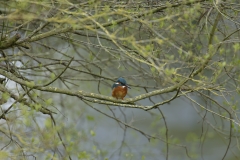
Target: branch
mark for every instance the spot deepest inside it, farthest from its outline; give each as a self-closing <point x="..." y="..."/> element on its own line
<point x="81" y="93"/>
<point x="58" y="76"/>
<point x="9" y="42"/>
<point x="164" y="102"/>
<point x="121" y="20"/>
<point x="100" y="97"/>
<point x="23" y="100"/>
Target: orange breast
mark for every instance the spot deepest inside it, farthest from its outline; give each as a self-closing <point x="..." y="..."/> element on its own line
<point x="119" y="92"/>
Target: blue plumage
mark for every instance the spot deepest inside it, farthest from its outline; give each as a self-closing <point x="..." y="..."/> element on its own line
<point x="120" y="82"/>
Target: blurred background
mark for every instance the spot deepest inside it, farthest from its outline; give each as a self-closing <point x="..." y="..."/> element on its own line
<point x="59" y="60"/>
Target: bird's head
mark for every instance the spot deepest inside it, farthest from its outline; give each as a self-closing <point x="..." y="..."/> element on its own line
<point x="120" y="82"/>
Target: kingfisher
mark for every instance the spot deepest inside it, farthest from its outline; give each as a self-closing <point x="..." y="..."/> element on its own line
<point x="120" y="88"/>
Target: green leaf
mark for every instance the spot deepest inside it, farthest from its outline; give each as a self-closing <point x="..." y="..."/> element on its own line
<point x="3" y="155"/>
<point x="90" y="118"/>
<point x="5" y="96"/>
<point x="83" y="155"/>
<point x="30" y="84"/>
<point x="92" y="133"/>
<point x="52" y="76"/>
<point x="48" y="123"/>
<point x="236" y="47"/>
<point x="49" y="101"/>
<point x="37" y="106"/>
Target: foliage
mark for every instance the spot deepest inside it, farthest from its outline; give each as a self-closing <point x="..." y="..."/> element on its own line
<point x="59" y="60"/>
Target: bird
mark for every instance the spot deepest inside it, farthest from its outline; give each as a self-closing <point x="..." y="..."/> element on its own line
<point x="120" y="88"/>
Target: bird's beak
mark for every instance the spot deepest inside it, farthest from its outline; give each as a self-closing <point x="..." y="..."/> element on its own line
<point x="129" y="87"/>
